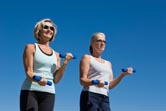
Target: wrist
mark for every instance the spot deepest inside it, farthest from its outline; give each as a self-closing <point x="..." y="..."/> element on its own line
<point x="65" y="62"/>
<point x="123" y="74"/>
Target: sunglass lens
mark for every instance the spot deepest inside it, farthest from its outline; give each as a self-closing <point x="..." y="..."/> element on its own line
<point x="52" y="28"/>
<point x="45" y="27"/>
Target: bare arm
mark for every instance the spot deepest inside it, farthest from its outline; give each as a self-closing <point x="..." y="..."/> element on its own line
<point x="115" y="82"/>
<point x="59" y="72"/>
<point x="28" y="60"/>
<point x="84" y="69"/>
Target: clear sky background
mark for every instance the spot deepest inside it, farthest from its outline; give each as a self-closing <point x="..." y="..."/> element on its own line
<point x="135" y="33"/>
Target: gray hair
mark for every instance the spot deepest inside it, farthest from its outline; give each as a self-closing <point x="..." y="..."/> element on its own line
<point x="93" y="37"/>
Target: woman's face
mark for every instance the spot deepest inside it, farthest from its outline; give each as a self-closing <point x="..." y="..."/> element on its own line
<point x="99" y="43"/>
<point x="47" y="31"/>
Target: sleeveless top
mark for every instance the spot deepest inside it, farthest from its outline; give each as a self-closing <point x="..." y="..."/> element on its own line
<point x="99" y="71"/>
<point x="44" y="66"/>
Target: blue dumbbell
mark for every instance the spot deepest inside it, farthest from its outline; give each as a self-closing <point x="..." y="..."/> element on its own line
<point x="95" y="82"/>
<point x="64" y="55"/>
<point x="38" y="78"/>
<point x="125" y="70"/>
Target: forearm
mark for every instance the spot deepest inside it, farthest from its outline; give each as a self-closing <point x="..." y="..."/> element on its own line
<point x="85" y="82"/>
<point x="29" y="75"/>
<point x="60" y="72"/>
<point x="29" y="72"/>
<point x="116" y="81"/>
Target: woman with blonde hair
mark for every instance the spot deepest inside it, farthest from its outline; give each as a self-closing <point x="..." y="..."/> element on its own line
<point x="42" y="65"/>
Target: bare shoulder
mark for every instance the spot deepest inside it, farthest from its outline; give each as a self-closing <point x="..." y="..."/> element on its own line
<point x="30" y="47"/>
<point x="86" y="57"/>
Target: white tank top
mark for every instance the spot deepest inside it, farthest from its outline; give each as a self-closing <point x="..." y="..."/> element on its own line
<point x="99" y="71"/>
<point x="44" y="66"/>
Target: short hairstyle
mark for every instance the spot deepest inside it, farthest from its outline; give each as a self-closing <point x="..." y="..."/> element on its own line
<point x="93" y="37"/>
<point x="39" y="26"/>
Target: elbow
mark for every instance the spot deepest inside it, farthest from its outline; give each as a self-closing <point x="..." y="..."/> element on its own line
<point x="85" y="82"/>
<point x="110" y="87"/>
<point x="56" y="81"/>
<point x="81" y="82"/>
<point x="29" y="74"/>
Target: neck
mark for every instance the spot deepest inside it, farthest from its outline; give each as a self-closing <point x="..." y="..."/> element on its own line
<point x="46" y="44"/>
<point x="97" y="55"/>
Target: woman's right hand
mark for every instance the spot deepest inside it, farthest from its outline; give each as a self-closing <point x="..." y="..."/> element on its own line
<point x="129" y="71"/>
<point x="68" y="57"/>
<point x="43" y="81"/>
<point x="101" y="83"/>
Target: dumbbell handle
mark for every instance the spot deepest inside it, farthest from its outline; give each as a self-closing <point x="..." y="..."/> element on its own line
<point x="38" y="78"/>
<point x="125" y="70"/>
<point x="64" y="55"/>
<point x="95" y="82"/>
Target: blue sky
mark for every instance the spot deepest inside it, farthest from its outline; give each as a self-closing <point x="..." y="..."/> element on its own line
<point x="135" y="34"/>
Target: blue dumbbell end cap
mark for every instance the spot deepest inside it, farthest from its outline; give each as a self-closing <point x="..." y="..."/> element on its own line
<point x="105" y="82"/>
<point x="49" y="83"/>
<point x="36" y="78"/>
<point x="95" y="82"/>
<point x="124" y="70"/>
<point x="62" y="55"/>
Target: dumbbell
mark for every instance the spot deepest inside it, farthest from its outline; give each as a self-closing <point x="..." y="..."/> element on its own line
<point x="64" y="55"/>
<point x="125" y="70"/>
<point x="38" y="78"/>
<point x="95" y="82"/>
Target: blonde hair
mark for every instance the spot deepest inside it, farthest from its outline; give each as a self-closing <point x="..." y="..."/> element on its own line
<point x="39" y="26"/>
<point x="93" y="38"/>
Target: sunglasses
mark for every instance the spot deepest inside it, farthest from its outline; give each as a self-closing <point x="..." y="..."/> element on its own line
<point x="99" y="40"/>
<point x="48" y="27"/>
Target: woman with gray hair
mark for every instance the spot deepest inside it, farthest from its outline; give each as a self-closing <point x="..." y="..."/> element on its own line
<point x="42" y="65"/>
<point x="96" y="77"/>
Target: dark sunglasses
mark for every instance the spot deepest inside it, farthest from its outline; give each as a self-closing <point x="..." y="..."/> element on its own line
<point x="99" y="40"/>
<point x="48" y="27"/>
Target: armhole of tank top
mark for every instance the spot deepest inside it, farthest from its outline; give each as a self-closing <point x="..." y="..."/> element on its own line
<point x="90" y="58"/>
<point x="53" y="52"/>
<point x="107" y="62"/>
<point x="35" y="46"/>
